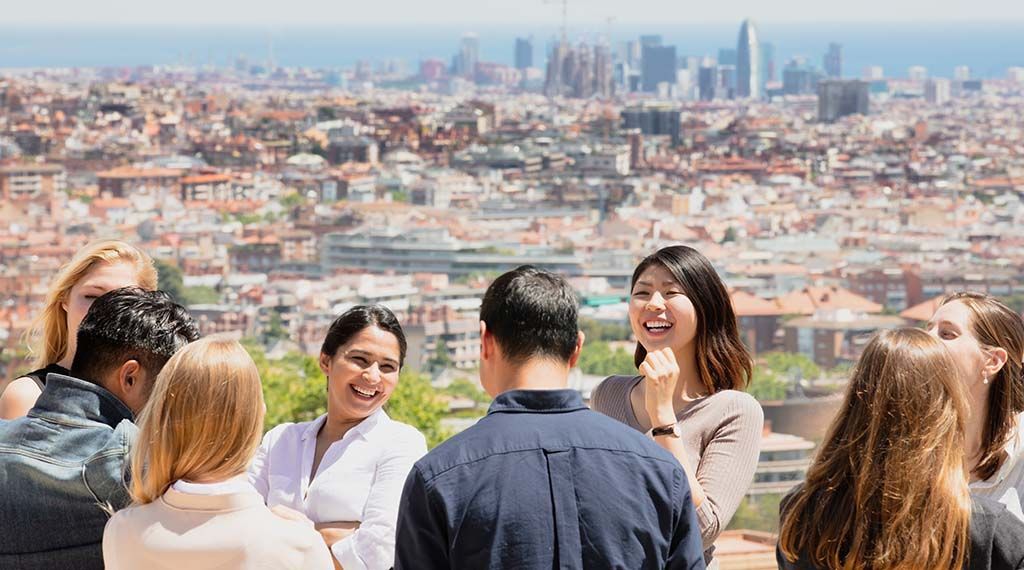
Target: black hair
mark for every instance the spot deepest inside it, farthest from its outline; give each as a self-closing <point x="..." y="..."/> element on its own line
<point x="131" y="324"/>
<point x="354" y="320"/>
<point x="532" y="313"/>
<point x="723" y="361"/>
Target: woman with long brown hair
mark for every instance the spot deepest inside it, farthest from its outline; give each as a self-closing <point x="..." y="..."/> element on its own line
<point x="688" y="394"/>
<point x="888" y="488"/>
<point x="986" y="339"/>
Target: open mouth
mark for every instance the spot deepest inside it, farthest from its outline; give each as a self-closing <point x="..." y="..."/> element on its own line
<point x="657" y="327"/>
<point x="364" y="393"/>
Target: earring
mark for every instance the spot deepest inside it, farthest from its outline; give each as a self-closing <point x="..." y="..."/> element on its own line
<point x="984" y="379"/>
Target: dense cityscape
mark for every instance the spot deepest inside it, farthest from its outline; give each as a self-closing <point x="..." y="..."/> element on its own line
<point x="833" y="202"/>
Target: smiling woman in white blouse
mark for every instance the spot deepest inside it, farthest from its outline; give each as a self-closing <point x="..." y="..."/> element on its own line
<point x="346" y="469"/>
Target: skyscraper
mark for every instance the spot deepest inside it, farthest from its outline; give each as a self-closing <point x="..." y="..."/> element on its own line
<point x="748" y="62"/>
<point x="838" y="98"/>
<point x="768" y="62"/>
<point x="800" y="78"/>
<point x="554" y="82"/>
<point x="834" y="61"/>
<point x="524" y="53"/>
<point x="468" y="56"/>
<point x="938" y="91"/>
<point x="651" y="40"/>
<point x="659" y="66"/>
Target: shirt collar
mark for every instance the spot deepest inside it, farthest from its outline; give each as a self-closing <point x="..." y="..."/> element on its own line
<point x="362" y="429"/>
<point x="537" y="401"/>
<point x="68" y="396"/>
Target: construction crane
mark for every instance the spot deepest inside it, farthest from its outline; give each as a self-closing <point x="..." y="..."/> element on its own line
<point x="565" y="18"/>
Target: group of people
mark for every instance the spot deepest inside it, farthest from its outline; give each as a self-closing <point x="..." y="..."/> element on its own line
<point x="138" y="444"/>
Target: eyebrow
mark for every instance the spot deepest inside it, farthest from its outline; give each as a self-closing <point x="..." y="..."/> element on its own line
<point x="666" y="282"/>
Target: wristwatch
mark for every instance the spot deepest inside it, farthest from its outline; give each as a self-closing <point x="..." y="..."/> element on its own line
<point x="671" y="429"/>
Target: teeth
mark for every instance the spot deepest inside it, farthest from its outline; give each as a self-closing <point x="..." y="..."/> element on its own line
<point x="658" y="325"/>
<point x="367" y="393"/>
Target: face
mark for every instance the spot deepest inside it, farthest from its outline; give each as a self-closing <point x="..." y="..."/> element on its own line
<point x="951" y="324"/>
<point x="660" y="313"/>
<point x="362" y="374"/>
<point x="103" y="277"/>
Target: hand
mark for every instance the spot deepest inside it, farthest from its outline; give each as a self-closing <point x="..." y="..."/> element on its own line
<point x="290" y="514"/>
<point x="661" y="373"/>
<point x="336" y="531"/>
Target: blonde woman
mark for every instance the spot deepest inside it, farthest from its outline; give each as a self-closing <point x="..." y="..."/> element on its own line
<point x="193" y="505"/>
<point x="98" y="267"/>
<point x="888" y="488"/>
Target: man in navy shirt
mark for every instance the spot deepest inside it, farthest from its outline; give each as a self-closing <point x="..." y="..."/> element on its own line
<point x="542" y="481"/>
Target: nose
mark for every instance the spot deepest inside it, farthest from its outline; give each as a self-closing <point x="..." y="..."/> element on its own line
<point x="372" y="374"/>
<point x="656" y="303"/>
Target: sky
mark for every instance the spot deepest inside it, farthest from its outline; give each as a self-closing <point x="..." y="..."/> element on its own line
<point x="415" y="13"/>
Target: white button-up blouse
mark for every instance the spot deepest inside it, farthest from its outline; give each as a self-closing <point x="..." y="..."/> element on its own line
<point x="359" y="479"/>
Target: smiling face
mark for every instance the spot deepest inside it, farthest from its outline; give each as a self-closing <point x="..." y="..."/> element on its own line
<point x="101" y="278"/>
<point x="361" y="374"/>
<point x="951" y="324"/>
<point x="660" y="312"/>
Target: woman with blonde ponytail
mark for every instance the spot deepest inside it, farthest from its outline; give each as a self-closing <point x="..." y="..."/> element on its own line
<point x="193" y="505"/>
<point x="889" y="486"/>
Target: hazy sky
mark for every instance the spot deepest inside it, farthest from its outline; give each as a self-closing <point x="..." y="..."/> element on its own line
<point x="493" y="12"/>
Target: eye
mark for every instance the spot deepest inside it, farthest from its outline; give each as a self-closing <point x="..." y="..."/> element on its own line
<point x="387" y="368"/>
<point x="359" y="360"/>
<point x="641" y="293"/>
<point x="948" y="334"/>
<point x="673" y="293"/>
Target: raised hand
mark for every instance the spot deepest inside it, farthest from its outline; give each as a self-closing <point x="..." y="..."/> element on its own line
<point x="661" y="373"/>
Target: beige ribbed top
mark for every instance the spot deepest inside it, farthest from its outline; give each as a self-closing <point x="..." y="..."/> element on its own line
<point x="722" y="437"/>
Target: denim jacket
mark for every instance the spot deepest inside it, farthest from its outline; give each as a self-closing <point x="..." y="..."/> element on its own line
<point x="61" y="473"/>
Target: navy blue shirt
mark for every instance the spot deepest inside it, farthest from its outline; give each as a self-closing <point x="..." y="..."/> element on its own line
<point x="544" y="482"/>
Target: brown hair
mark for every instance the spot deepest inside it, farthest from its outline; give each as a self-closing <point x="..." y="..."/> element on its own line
<point x="723" y="361"/>
<point x="203" y="421"/>
<point x="888" y="488"/>
<point x="48" y="334"/>
<point x="996" y="325"/>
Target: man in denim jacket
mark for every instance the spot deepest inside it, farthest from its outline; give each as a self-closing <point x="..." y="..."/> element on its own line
<point x="62" y="466"/>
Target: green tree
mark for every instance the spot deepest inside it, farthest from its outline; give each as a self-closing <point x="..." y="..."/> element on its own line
<point x="275" y="330"/>
<point x="602" y="331"/>
<point x="200" y="295"/>
<point x="170" y="280"/>
<point x="775" y="374"/>
<point x="462" y="388"/>
<point x="599" y="359"/>
<point x="416" y="403"/>
<point x="294" y="387"/>
<point x="757" y="512"/>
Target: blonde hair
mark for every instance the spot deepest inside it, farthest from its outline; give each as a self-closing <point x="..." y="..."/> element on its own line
<point x="994" y="324"/>
<point x="203" y="420"/>
<point x="48" y="334"/>
<point x="888" y="489"/>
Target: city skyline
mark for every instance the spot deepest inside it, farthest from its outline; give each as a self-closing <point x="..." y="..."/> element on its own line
<point x="322" y="12"/>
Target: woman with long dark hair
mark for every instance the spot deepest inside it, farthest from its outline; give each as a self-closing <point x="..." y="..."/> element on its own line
<point x="888" y="488"/>
<point x="688" y="393"/>
<point x="346" y="469"/>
